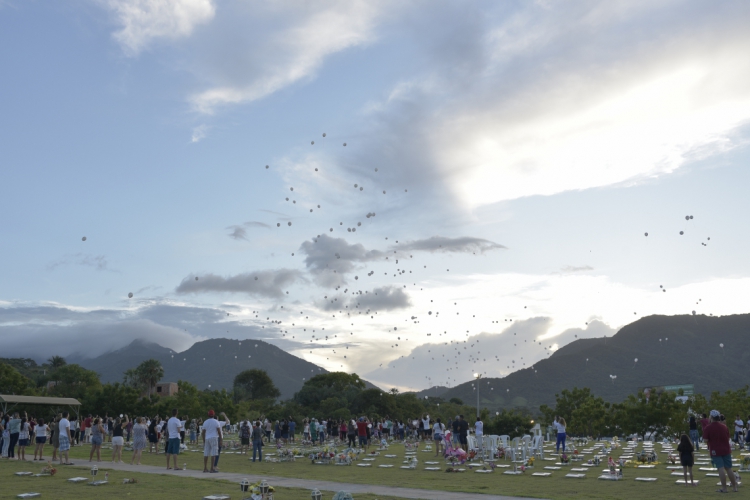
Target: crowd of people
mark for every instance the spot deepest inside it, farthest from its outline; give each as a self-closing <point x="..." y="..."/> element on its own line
<point x="61" y="431"/>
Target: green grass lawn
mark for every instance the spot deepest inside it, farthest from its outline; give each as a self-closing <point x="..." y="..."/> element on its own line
<point x="557" y="486"/>
<point x="162" y="487"/>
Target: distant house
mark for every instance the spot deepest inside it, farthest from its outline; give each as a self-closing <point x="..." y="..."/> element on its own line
<point x="166" y="389"/>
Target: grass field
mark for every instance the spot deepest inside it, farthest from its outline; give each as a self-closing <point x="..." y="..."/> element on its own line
<point x="556" y="486"/>
<point x="162" y="487"/>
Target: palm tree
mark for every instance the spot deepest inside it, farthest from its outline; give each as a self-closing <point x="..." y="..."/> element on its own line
<point x="150" y="372"/>
<point x="57" y="362"/>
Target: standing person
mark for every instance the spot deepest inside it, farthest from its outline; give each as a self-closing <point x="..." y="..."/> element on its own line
<point x="351" y="433"/>
<point x="88" y="422"/>
<point x="463" y="433"/>
<point x="211" y="433"/>
<point x="292" y="427"/>
<point x="285" y="431"/>
<point x="455" y="425"/>
<point x="561" y="426"/>
<point x="173" y="429"/>
<point x="257" y="437"/>
<point x="97" y="438"/>
<point x="739" y="425"/>
<point x="427" y="428"/>
<point x="716" y="436"/>
<point x="55" y="435"/>
<point x="437" y="435"/>
<point x="687" y="457"/>
<point x="479" y="432"/>
<point x="140" y="431"/>
<point x="14" y="427"/>
<point x="342" y="430"/>
<point x="64" y="429"/>
<point x="40" y="431"/>
<point x="5" y="436"/>
<point x="183" y="424"/>
<point x="193" y="432"/>
<point x="23" y="439"/>
<point x="313" y="431"/>
<point x="118" y="441"/>
<point x="322" y="431"/>
<point x="268" y="431"/>
<point x="128" y="431"/>
<point x="693" y="425"/>
<point x="306" y="430"/>
<point x="225" y="425"/>
<point x="153" y="437"/>
<point x="245" y="431"/>
<point x="362" y="433"/>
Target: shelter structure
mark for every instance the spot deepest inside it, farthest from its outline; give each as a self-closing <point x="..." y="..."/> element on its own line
<point x="12" y="400"/>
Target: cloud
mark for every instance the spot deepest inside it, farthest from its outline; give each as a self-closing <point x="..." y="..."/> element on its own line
<point x="329" y="259"/>
<point x="575" y="269"/>
<point x="385" y="298"/>
<point x="551" y="99"/>
<point x="277" y="45"/>
<point x="441" y="244"/>
<point x="98" y="262"/>
<point x="145" y="20"/>
<point x="261" y="283"/>
<point x="199" y="133"/>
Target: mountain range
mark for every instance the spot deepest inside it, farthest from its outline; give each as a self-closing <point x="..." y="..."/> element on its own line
<point x="208" y="364"/>
<point x="710" y="352"/>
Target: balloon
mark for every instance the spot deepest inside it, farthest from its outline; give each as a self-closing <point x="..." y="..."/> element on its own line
<point x="83" y="239"/>
<point x="636" y="360"/>
<point x="646" y="234"/>
<point x="312" y="142"/>
<point x="278" y="224"/>
<point x="344" y="144"/>
<point x="721" y="345"/>
<point x="266" y="166"/>
<point x="196" y="278"/>
<point x="324" y="134"/>
<point x="130" y="295"/>
<point x="681" y="233"/>
<point x="291" y="223"/>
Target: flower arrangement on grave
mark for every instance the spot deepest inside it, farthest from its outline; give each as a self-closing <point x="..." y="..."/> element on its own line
<point x="671" y="458"/>
<point x="500" y="453"/>
<point x="529" y="462"/>
<point x="343" y="495"/>
<point x="296" y="451"/>
<point x="564" y="458"/>
<point x="383" y="444"/>
<point x="255" y="488"/>
<point x="746" y="463"/>
<point x="611" y="464"/>
<point x="286" y="455"/>
<point x="453" y="469"/>
<point x="471" y="455"/>
<point x="343" y="459"/>
<point x="374" y="453"/>
<point x="129" y="481"/>
<point x="49" y="469"/>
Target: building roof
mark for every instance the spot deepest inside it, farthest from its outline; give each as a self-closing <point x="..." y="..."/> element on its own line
<point x="38" y="400"/>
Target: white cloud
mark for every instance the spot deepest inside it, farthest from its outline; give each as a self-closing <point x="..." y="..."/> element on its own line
<point x="556" y="99"/>
<point x="199" y="133"/>
<point x="145" y="20"/>
<point x="293" y="51"/>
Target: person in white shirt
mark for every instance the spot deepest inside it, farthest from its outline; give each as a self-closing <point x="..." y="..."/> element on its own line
<point x="63" y="427"/>
<point x="738" y="426"/>
<point x="41" y="437"/>
<point x="426" y="427"/>
<point x="211" y="433"/>
<point x="437" y="435"/>
<point x="173" y="428"/>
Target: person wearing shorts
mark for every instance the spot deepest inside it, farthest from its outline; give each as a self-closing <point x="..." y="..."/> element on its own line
<point x="716" y="436"/>
<point x="463" y="432"/>
<point x="63" y="428"/>
<point x="211" y="433"/>
<point x="41" y="438"/>
<point x="173" y="428"/>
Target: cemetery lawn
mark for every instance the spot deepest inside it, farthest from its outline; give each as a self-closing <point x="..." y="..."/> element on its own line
<point x="161" y="487"/>
<point x="555" y="487"/>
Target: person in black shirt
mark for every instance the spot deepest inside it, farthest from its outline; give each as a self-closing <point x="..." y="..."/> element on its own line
<point x="454" y="425"/>
<point x="685" y="448"/>
<point x="694" y="432"/>
<point x="463" y="432"/>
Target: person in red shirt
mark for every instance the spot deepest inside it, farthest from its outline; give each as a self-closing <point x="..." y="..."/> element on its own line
<point x="716" y="436"/>
<point x="86" y="429"/>
<point x="362" y="432"/>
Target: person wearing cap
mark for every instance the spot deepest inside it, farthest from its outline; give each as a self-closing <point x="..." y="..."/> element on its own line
<point x="211" y="433"/>
<point x="716" y="436"/>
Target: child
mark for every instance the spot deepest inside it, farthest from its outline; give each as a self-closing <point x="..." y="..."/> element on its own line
<point x="687" y="459"/>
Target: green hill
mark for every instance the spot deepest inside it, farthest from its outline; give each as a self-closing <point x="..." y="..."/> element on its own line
<point x="671" y="350"/>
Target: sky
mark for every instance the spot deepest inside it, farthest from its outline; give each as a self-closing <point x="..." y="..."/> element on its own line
<point x="412" y="191"/>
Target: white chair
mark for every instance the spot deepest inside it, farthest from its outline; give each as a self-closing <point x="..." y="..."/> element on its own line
<point x="537" y="447"/>
<point x="471" y="442"/>
<point x="505" y="443"/>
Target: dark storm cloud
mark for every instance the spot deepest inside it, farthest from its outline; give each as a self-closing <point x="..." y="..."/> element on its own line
<point x="261" y="283"/>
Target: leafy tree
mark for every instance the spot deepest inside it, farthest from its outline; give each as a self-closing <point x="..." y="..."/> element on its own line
<point x="660" y="414"/>
<point x="150" y="372"/>
<point x="12" y="382"/>
<point x="113" y="399"/>
<point x="566" y="403"/>
<point x="457" y="401"/>
<point x="74" y="381"/>
<point x="56" y="362"/>
<point x="255" y="384"/>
